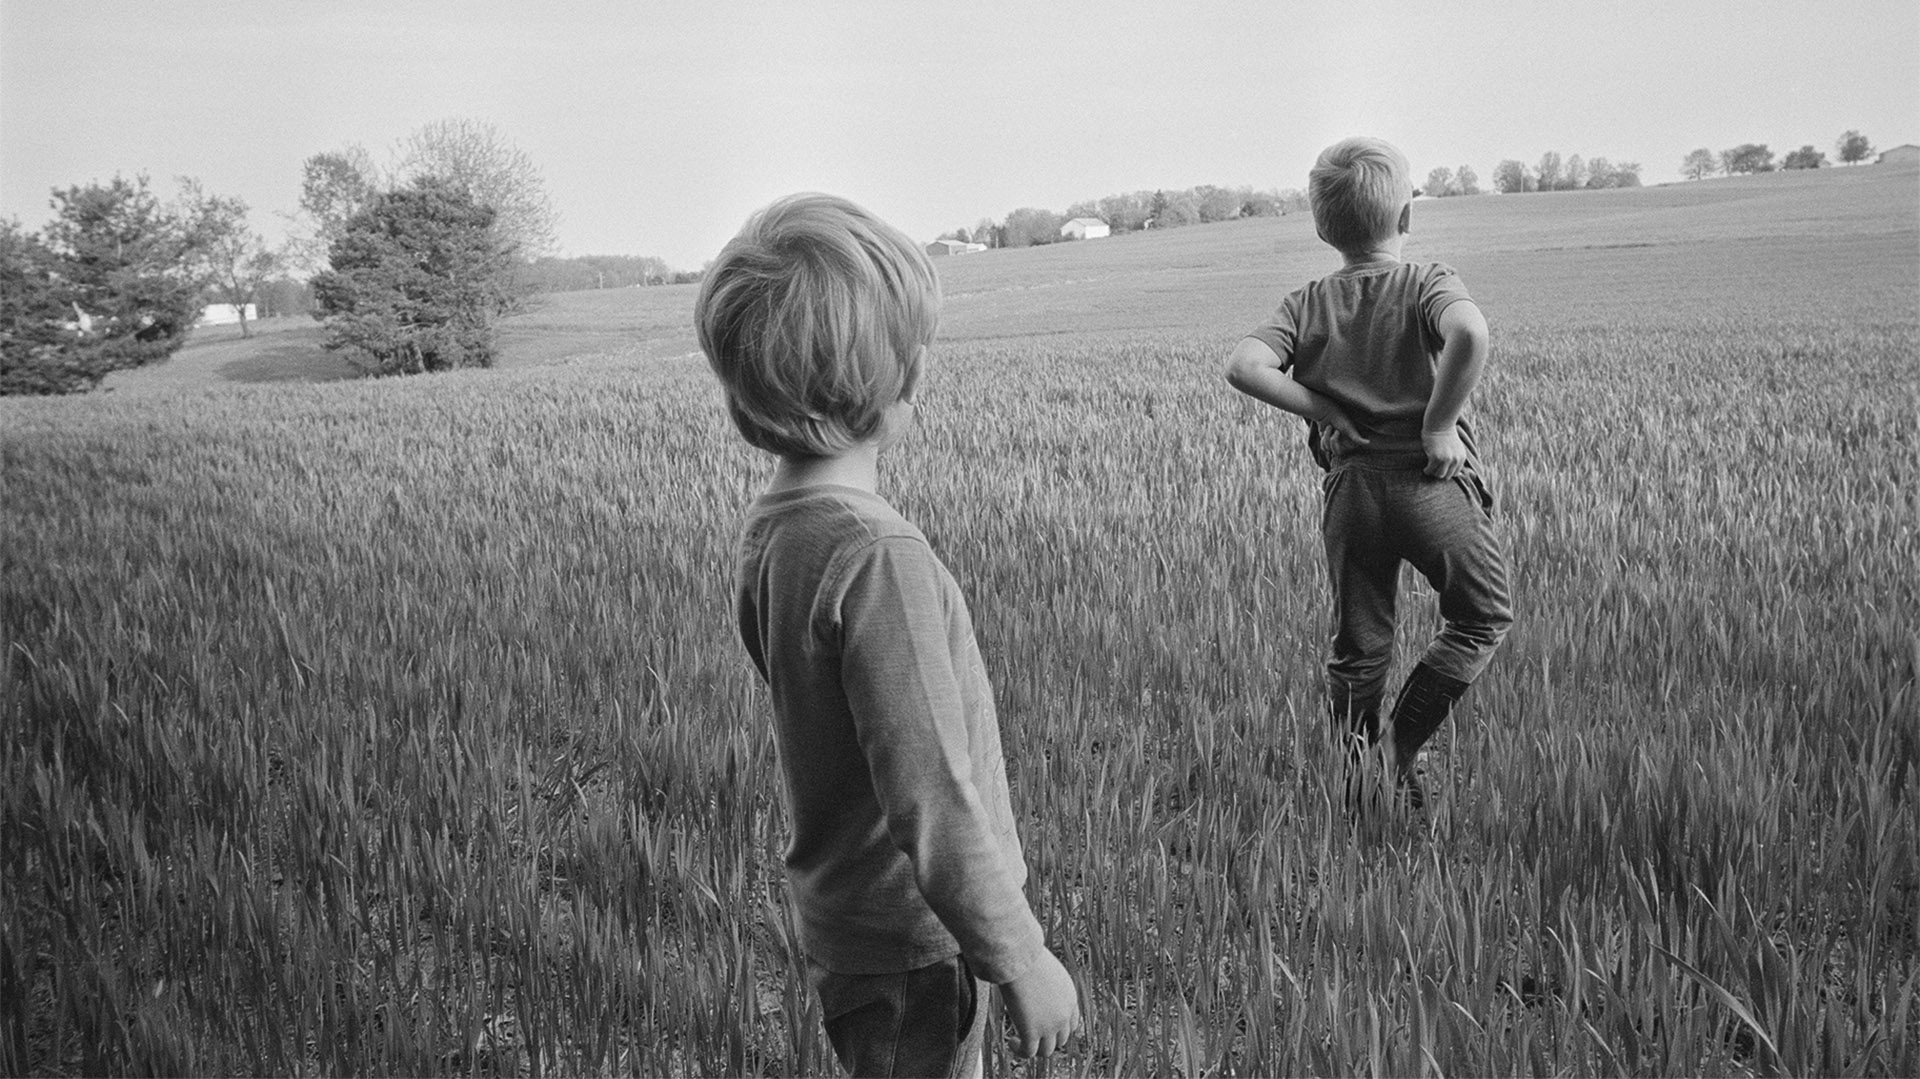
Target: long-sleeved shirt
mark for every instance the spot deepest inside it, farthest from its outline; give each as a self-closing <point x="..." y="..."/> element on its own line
<point x="903" y="848"/>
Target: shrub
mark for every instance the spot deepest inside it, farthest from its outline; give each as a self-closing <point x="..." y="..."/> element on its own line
<point x="418" y="282"/>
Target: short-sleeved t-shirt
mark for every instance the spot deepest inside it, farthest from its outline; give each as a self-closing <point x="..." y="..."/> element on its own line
<point x="903" y="849"/>
<point x="1367" y="336"/>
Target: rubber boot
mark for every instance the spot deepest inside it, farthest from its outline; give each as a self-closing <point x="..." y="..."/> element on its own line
<point x="1425" y="701"/>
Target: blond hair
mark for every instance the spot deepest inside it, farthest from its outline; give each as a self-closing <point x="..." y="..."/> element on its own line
<point x="815" y="318"/>
<point x="1359" y="188"/>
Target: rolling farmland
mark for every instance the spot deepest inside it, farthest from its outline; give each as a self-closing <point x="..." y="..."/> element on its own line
<point x="400" y="726"/>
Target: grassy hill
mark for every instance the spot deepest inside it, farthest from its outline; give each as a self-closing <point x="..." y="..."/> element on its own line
<point x="1771" y="245"/>
<point x="401" y="727"/>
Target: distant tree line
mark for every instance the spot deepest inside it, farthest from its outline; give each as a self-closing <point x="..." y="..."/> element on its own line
<point x="1750" y="157"/>
<point x="1444" y="182"/>
<point x="284" y="295"/>
<point x="1572" y="173"/>
<point x="551" y="274"/>
<point x="1133" y="212"/>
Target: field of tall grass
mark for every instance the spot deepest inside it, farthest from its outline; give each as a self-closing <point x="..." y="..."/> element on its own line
<point x="399" y="727"/>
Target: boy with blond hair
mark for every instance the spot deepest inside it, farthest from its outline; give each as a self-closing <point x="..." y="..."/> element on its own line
<point x="1380" y="357"/>
<point x="905" y="868"/>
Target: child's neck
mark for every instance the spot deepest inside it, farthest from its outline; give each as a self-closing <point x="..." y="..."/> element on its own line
<point x="858" y="468"/>
<point x="1388" y="250"/>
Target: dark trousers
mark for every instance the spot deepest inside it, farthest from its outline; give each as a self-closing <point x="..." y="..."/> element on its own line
<point x="925" y="1022"/>
<point x="1379" y="516"/>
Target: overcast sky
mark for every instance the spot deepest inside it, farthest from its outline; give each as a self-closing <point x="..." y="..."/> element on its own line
<point x="660" y="126"/>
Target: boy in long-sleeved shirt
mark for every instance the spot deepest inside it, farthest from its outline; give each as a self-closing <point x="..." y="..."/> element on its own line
<point x="1380" y="357"/>
<point x="904" y="865"/>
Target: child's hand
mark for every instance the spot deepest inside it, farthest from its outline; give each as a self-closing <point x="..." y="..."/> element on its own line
<point x="1446" y="454"/>
<point x="1326" y="412"/>
<point x="1043" y="1006"/>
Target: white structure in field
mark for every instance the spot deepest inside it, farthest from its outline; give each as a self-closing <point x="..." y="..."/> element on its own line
<point x="1902" y="154"/>
<point x="953" y="247"/>
<point x="224" y="314"/>
<point x="1085" y="228"/>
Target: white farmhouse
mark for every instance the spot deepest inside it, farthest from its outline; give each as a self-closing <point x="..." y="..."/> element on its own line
<point x="1085" y="228"/>
<point x="953" y="247"/>
<point x="224" y="314"/>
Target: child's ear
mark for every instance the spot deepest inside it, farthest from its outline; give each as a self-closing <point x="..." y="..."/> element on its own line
<point x="1406" y="218"/>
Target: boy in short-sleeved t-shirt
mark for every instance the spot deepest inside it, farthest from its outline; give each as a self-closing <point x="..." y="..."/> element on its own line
<point x="1366" y="335"/>
<point x="1380" y="357"/>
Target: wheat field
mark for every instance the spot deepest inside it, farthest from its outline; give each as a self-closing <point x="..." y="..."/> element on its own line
<point x="399" y="727"/>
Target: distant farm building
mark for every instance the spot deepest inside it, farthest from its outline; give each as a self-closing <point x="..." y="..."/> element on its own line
<point x="953" y="247"/>
<point x="1904" y="154"/>
<point x="1085" y="228"/>
<point x="224" y="314"/>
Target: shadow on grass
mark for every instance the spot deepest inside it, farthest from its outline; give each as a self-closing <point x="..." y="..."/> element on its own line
<point x="294" y="361"/>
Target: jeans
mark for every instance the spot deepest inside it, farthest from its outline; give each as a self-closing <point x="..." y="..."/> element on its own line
<point x="1379" y="515"/>
<point x="925" y="1022"/>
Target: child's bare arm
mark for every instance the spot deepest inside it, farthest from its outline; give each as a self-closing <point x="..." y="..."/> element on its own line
<point x="1255" y="370"/>
<point x="1463" y="354"/>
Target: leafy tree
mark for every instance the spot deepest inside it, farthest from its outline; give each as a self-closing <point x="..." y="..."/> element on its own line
<point x="1510" y="177"/>
<point x="1439" y="183"/>
<point x="1548" y="171"/>
<point x="116" y="271"/>
<point x="1575" y="173"/>
<point x="1700" y="164"/>
<point x="1127" y="213"/>
<point x="475" y="158"/>
<point x="1466" y="180"/>
<point x="1853" y="147"/>
<point x="234" y="263"/>
<point x="1083" y="208"/>
<point x="419" y="280"/>
<point x="283" y="296"/>
<point x="1602" y="173"/>
<point x="1806" y="157"/>
<point x="1175" y="208"/>
<point x="985" y="231"/>
<point x="39" y="347"/>
<point x="1263" y="204"/>
<point x="334" y="186"/>
<point x="1217" y="203"/>
<point x="1028" y="227"/>
<point x="1747" y="158"/>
